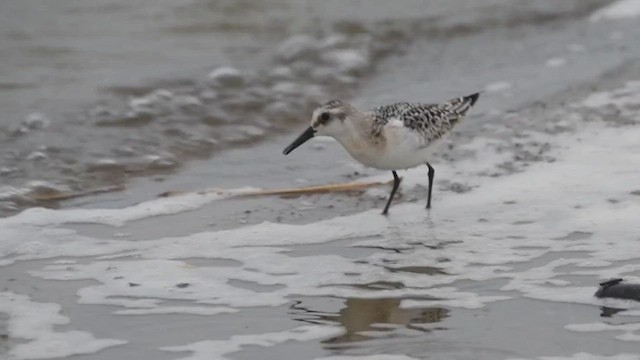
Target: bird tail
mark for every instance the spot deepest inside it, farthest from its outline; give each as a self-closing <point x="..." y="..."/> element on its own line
<point x="462" y="104"/>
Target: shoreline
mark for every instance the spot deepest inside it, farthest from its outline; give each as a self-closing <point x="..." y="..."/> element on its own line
<point x="170" y="123"/>
<point x="534" y="204"/>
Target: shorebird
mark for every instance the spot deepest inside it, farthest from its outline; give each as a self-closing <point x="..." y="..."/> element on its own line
<point x="391" y="137"/>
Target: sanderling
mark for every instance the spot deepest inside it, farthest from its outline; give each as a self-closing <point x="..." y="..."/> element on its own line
<point x="392" y="137"/>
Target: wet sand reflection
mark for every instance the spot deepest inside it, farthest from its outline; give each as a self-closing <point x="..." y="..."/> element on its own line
<point x="366" y="319"/>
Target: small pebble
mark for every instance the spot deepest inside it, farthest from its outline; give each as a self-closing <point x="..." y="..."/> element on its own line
<point x="36" y="121"/>
<point x="225" y="77"/>
<point x="298" y="47"/>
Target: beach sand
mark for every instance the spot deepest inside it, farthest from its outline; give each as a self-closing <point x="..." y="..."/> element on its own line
<point x="536" y="200"/>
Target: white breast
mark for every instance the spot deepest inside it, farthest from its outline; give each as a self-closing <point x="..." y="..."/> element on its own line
<point x="401" y="149"/>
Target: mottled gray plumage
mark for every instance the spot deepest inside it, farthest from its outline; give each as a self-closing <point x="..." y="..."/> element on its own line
<point x="430" y="120"/>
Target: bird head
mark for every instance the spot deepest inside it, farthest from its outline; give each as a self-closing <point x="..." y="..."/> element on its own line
<point x="326" y="120"/>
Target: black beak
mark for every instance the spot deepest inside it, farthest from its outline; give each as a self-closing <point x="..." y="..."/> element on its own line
<point x="306" y="135"/>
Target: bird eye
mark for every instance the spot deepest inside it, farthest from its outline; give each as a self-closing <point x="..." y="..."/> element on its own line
<point x="324" y="117"/>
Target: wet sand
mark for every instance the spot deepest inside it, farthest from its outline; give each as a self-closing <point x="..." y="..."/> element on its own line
<point x="533" y="207"/>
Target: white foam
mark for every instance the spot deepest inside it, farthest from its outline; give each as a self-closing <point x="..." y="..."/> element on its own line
<point x="621" y="9"/>
<point x="34" y="322"/>
<point x="118" y="217"/>
<point x="630" y="331"/>
<point x="217" y="349"/>
<point x="493" y="232"/>
<point x="625" y="99"/>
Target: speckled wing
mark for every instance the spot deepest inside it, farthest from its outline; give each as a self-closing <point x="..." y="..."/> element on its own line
<point x="431" y="121"/>
<point x="383" y="114"/>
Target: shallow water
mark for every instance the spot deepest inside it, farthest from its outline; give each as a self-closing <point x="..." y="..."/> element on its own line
<point x="96" y="93"/>
<point x="534" y="205"/>
<point x="516" y="282"/>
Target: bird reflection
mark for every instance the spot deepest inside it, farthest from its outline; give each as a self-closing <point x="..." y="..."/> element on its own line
<point x="365" y="319"/>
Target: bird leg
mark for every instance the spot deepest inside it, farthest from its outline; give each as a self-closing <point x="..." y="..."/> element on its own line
<point x="431" y="173"/>
<point x="396" y="184"/>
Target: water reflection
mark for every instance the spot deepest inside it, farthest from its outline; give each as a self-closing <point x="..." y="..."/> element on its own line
<point x="366" y="319"/>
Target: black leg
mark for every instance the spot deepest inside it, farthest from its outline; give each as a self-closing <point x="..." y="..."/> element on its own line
<point x="396" y="183"/>
<point x="431" y="173"/>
